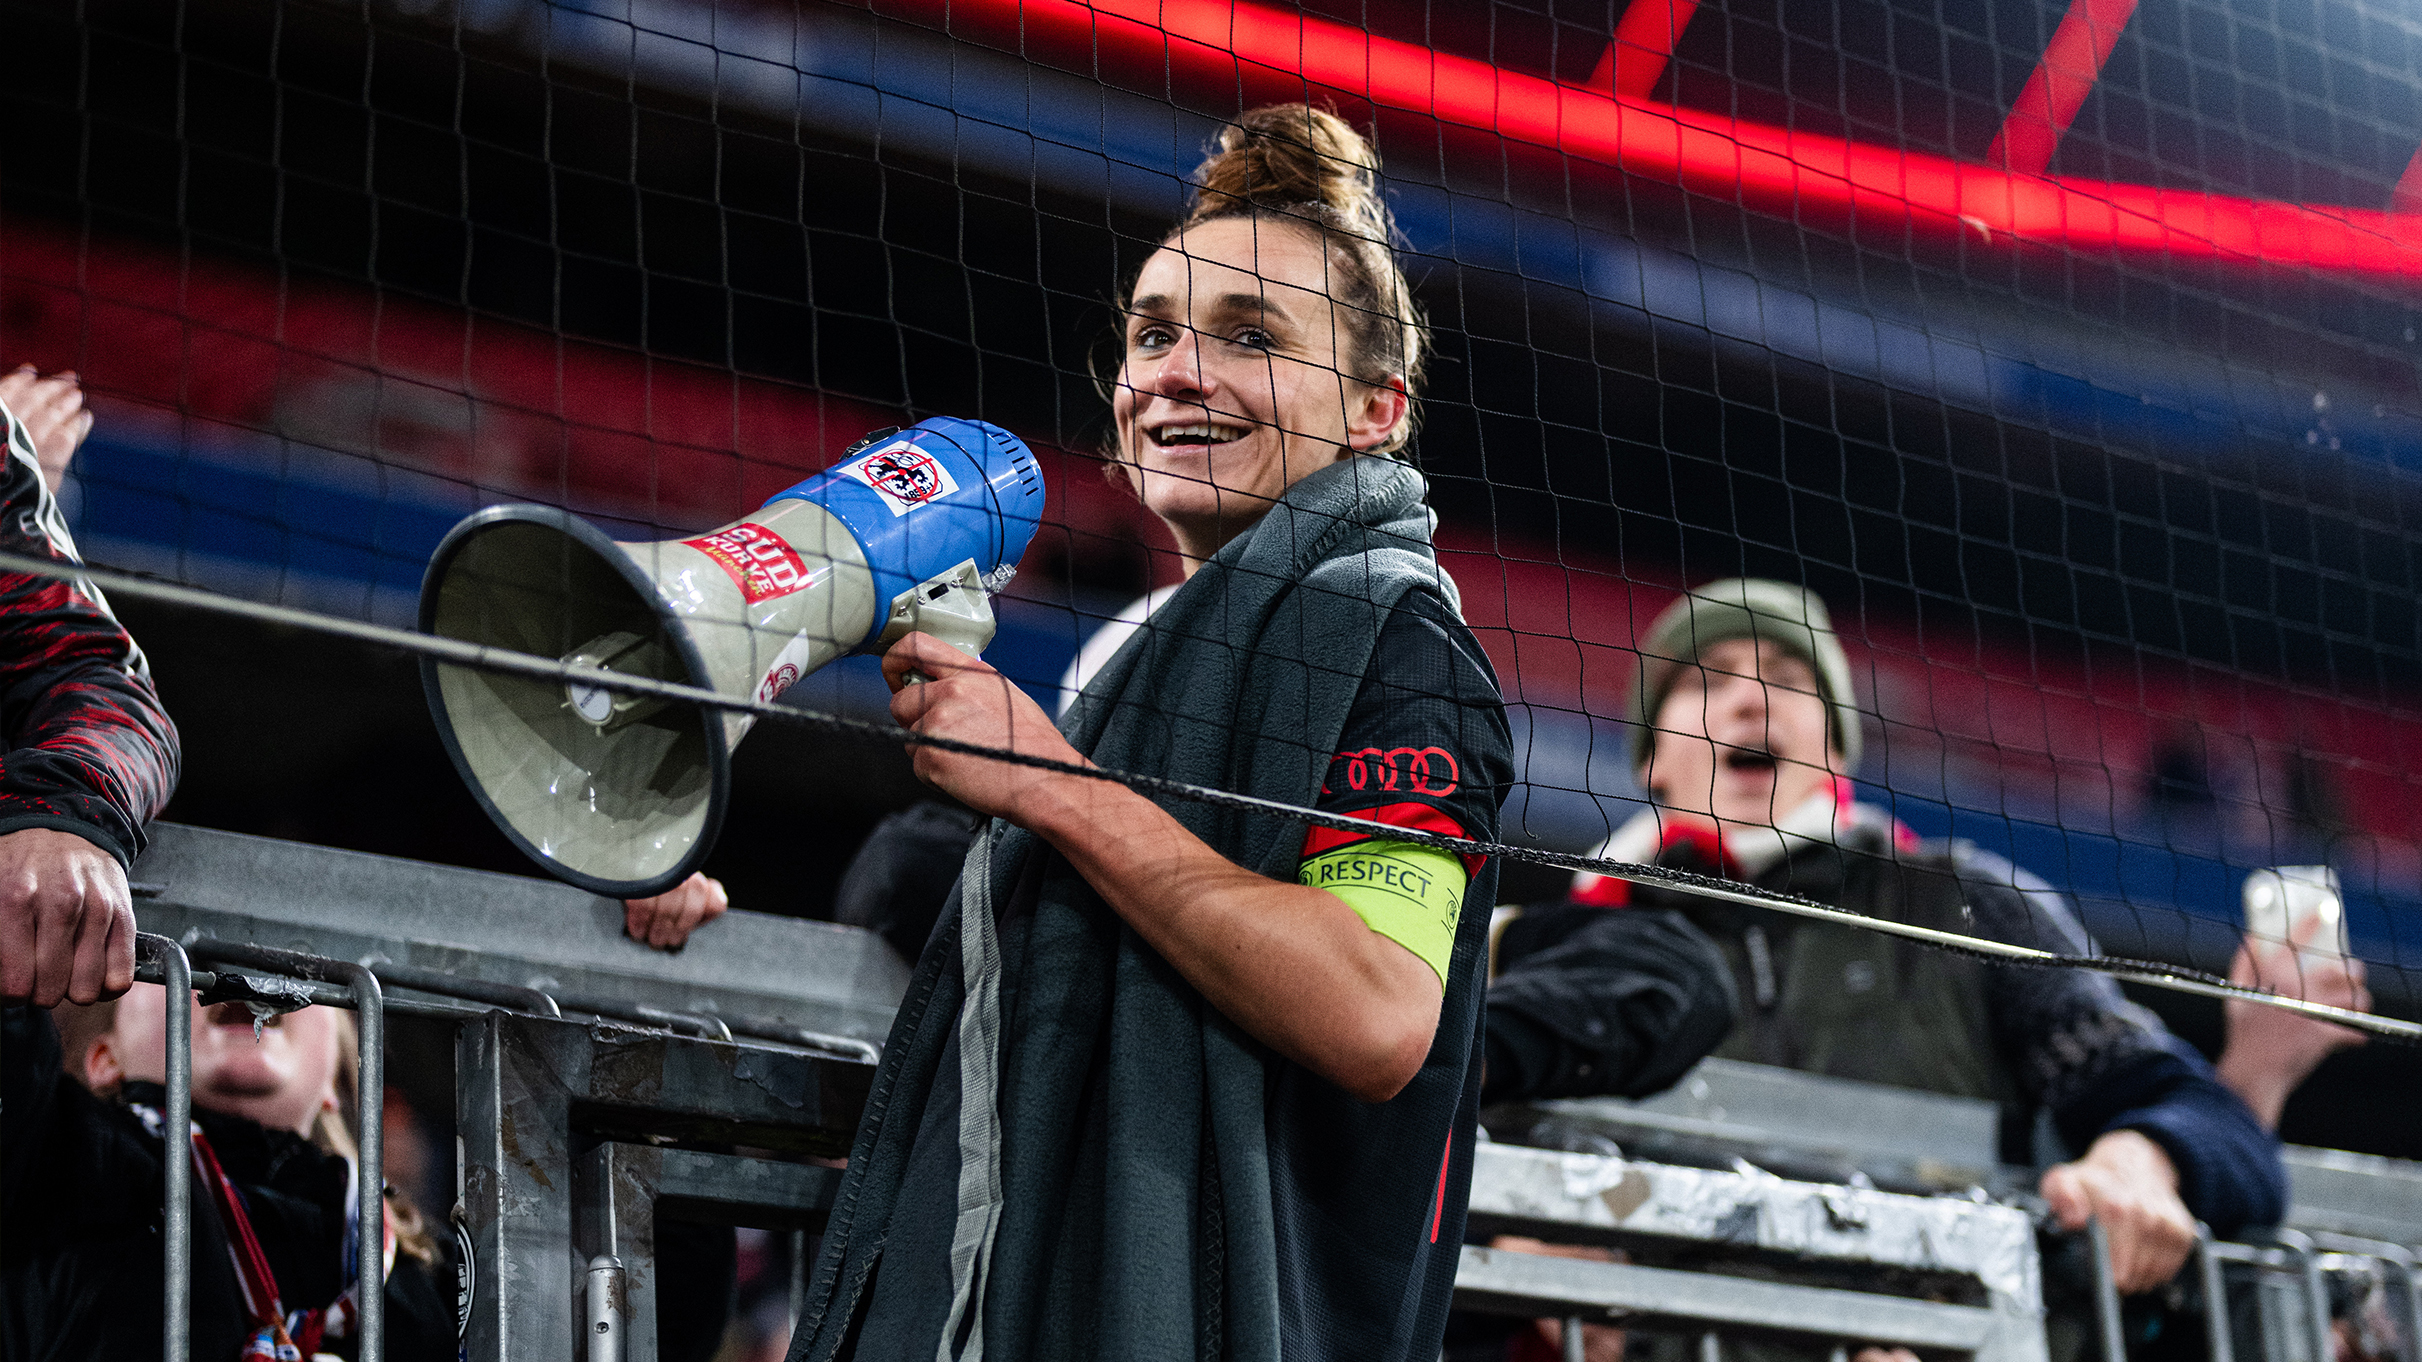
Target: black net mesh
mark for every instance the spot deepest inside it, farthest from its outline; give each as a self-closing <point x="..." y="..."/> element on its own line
<point x="2066" y="351"/>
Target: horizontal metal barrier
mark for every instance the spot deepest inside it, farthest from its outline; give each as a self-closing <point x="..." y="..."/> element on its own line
<point x="1754" y="1255"/>
<point x="1833" y="1141"/>
<point x="589" y="1071"/>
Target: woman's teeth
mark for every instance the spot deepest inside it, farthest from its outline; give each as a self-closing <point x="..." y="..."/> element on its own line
<point x="1198" y="433"/>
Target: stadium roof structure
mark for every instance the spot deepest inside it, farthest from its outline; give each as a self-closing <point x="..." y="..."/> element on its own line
<point x="1614" y="121"/>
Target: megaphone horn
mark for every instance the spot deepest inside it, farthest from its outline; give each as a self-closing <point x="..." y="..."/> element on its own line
<point x="622" y="794"/>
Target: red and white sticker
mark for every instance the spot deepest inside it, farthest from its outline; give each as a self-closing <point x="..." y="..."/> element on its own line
<point x="757" y="559"/>
<point x="905" y="476"/>
<point x="779" y="678"/>
<point x="793" y="662"/>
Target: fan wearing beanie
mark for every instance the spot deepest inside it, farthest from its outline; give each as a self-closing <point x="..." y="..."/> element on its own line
<point x="1746" y="730"/>
<point x="1185" y="1081"/>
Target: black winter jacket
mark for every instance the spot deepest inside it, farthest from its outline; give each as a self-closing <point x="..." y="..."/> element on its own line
<point x="80" y="1224"/>
<point x="1591" y="1003"/>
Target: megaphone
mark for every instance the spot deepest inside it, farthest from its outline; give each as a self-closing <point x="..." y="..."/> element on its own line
<point x="623" y="794"/>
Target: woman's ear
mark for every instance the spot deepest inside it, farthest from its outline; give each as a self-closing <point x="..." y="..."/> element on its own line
<point x="1378" y="414"/>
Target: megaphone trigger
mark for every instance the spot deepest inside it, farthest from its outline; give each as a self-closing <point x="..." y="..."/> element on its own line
<point x="954" y="607"/>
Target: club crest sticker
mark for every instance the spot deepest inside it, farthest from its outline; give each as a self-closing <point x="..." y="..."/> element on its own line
<point x="757" y="560"/>
<point x="905" y="476"/>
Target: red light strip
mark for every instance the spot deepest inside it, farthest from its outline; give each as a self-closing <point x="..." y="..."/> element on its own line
<point x="2060" y="84"/>
<point x="1643" y="44"/>
<point x="1816" y="179"/>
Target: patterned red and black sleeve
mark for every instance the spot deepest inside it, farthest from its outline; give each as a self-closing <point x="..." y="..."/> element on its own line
<point x="89" y="750"/>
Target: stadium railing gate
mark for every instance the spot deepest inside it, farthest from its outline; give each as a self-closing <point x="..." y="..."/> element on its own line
<point x="589" y="1069"/>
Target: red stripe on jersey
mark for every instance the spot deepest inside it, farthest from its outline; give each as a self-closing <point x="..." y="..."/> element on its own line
<point x="1418" y="817"/>
<point x="1438" y="1207"/>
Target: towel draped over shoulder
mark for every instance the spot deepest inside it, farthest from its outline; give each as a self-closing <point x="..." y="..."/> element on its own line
<point x="1166" y="1186"/>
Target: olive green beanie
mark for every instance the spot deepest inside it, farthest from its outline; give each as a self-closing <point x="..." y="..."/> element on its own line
<point x="1791" y="617"/>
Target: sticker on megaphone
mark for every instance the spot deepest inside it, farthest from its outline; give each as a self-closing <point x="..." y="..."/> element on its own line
<point x="906" y="477"/>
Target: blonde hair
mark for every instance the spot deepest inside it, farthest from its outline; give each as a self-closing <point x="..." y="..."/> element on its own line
<point x="334" y="1132"/>
<point x="1308" y="168"/>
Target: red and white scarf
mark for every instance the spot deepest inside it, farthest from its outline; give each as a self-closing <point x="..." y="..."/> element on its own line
<point x="276" y="1334"/>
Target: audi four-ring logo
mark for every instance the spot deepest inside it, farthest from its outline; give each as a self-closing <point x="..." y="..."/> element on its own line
<point x="1414" y="770"/>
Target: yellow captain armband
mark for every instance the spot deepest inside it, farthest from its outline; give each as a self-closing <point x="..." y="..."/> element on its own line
<point x="1412" y="895"/>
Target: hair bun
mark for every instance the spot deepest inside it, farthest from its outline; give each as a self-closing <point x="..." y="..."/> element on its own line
<point x="1283" y="156"/>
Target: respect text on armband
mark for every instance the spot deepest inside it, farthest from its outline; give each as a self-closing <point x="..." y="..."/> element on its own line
<point x="1377" y="872"/>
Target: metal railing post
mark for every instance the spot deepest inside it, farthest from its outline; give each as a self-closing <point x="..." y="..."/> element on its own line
<point x="2411" y="1280"/>
<point x="370" y="1110"/>
<point x="608" y="1318"/>
<point x="176" y="1155"/>
<point x="370" y="1252"/>
<point x="1574" y="1349"/>
<point x="2220" y="1345"/>
<point x="2316" y="1294"/>
<point x="2106" y="1295"/>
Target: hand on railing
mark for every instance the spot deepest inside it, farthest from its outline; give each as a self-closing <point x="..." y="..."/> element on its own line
<point x="67" y="921"/>
<point x="2128" y="1183"/>
<point x="666" y="921"/>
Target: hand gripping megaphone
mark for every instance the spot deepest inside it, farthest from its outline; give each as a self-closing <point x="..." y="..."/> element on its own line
<point x="622" y="794"/>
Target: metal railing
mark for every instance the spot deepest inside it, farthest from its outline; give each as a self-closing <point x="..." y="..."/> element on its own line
<point x="1745" y="1253"/>
<point x="590" y="1071"/>
<point x="2261" y="1301"/>
<point x="284" y="980"/>
<point x="1837" y="1267"/>
<point x="576" y="1052"/>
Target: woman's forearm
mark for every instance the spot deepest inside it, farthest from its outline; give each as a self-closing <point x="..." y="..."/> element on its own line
<point x="1294" y="966"/>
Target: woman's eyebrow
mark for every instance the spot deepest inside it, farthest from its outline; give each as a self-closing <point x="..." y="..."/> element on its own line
<point x="1257" y="305"/>
<point x="1260" y="305"/>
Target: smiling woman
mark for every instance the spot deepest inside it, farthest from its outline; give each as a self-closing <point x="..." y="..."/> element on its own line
<point x="1194" y="1083"/>
<point x="1271" y="335"/>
